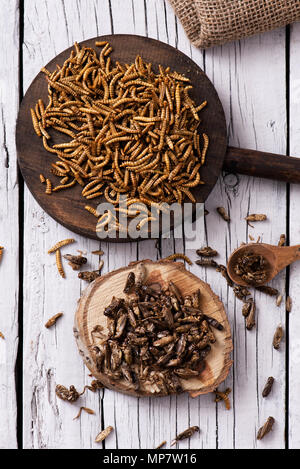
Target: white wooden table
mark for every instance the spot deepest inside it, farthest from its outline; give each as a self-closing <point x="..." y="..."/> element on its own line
<point x="258" y="81"/>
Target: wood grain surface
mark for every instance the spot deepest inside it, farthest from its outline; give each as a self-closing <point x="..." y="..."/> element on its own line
<point x="99" y="294"/>
<point x="258" y="81"/>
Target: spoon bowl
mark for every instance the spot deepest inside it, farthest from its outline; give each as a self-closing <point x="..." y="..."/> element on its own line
<point x="277" y="258"/>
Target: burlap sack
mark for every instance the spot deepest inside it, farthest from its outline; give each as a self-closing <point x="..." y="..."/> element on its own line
<point x="211" y="22"/>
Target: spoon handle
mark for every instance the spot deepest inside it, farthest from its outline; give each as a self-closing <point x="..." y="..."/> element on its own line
<point x="286" y="255"/>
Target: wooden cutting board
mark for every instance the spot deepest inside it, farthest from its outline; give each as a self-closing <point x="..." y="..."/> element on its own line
<point x="98" y="295"/>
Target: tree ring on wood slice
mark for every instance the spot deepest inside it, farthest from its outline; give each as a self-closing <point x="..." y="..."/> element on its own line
<point x="98" y="296"/>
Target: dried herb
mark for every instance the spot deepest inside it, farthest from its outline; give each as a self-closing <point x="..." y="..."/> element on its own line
<point x="70" y="395"/>
<point x="268" y="386"/>
<point x="53" y="320"/>
<point x="268" y="290"/>
<point x="186" y="434"/>
<point x="223" y="396"/>
<point x="223" y="213"/>
<point x="282" y="240"/>
<point x="288" y="305"/>
<point x="85" y="409"/>
<point x="103" y="435"/>
<point x="75" y="261"/>
<point x="278" y="335"/>
<point x="266" y="428"/>
<point x="207" y="263"/>
<point x="89" y="276"/>
<point x="252" y="268"/>
<point x="163" y="443"/>
<point x="256" y="217"/>
<point x="207" y="252"/>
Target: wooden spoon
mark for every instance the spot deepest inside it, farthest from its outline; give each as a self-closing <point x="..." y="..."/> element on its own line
<point x="277" y="257"/>
<point x="98" y="295"/>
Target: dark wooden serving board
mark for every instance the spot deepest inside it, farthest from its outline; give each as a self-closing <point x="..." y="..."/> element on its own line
<point x="67" y="207"/>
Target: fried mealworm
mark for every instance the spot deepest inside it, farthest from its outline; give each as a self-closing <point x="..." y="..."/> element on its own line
<point x="61" y="244"/>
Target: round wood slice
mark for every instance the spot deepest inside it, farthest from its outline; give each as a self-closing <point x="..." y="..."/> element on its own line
<point x="67" y="206"/>
<point x="99" y="294"/>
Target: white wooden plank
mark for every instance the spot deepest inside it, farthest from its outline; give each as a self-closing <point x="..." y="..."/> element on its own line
<point x="9" y="223"/>
<point x="51" y="356"/>
<point x="294" y="286"/>
<point x="254" y="101"/>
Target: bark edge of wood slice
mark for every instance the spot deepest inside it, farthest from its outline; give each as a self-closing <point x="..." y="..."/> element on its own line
<point x="98" y="295"/>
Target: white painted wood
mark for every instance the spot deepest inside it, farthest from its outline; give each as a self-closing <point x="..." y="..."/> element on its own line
<point x="250" y="78"/>
<point x="9" y="224"/>
<point x="294" y="286"/>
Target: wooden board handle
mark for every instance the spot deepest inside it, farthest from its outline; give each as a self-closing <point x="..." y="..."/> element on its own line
<point x="261" y="164"/>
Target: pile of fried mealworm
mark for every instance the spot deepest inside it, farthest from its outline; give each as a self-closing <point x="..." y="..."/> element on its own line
<point x="129" y="130"/>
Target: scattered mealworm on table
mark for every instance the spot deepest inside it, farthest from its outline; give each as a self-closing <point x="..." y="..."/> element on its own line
<point x="268" y="386"/>
<point x="289" y="304"/>
<point x="223" y="213"/>
<point x="185" y="434"/>
<point x="207" y="252"/>
<point x="2" y="336"/>
<point x="206" y="263"/>
<point x="42" y="178"/>
<point x="278" y="335"/>
<point x="53" y="320"/>
<point x="268" y="290"/>
<point x="103" y="434"/>
<point x="85" y="409"/>
<point x="163" y="443"/>
<point x="266" y="428"/>
<point x="178" y="256"/>
<point x="61" y="244"/>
